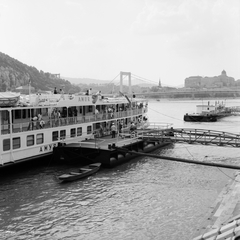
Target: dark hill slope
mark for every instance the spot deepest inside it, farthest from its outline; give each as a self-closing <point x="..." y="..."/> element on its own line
<point x="14" y="74"/>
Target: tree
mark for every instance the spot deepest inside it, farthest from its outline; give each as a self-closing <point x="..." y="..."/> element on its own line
<point x="154" y="89"/>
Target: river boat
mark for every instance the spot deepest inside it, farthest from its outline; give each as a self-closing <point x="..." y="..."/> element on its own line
<point x="200" y="117"/>
<point x="208" y="113"/>
<point x="36" y="123"/>
<point x="81" y="173"/>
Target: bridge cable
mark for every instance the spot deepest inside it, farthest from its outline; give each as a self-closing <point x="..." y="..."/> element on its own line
<point x="145" y="79"/>
<point x="113" y="79"/>
<point x="165" y="114"/>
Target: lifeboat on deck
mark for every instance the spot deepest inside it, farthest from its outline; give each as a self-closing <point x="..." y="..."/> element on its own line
<point x="9" y="99"/>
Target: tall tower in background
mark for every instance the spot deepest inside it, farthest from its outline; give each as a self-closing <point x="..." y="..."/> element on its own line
<point x="159" y="84"/>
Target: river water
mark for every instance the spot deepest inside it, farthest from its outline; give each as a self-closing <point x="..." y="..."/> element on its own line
<point x="145" y="198"/>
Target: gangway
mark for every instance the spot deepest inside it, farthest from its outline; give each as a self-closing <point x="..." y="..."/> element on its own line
<point x="235" y="110"/>
<point x="194" y="136"/>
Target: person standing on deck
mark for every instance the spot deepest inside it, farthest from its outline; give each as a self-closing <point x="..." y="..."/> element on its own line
<point x="113" y="130"/>
<point x="32" y="123"/>
<point x="39" y="116"/>
<point x="58" y="117"/>
<point x="133" y="130"/>
<point x="120" y="128"/>
<point x="62" y="94"/>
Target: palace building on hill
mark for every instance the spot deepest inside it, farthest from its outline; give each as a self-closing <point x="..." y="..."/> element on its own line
<point x="211" y="82"/>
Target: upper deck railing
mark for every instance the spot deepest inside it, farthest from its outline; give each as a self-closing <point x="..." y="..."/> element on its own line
<point x="25" y="125"/>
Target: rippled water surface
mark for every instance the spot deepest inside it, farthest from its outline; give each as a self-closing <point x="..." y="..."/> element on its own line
<point x="145" y="198"/>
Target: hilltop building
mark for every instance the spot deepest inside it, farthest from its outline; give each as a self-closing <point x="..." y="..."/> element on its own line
<point x="55" y="76"/>
<point x="25" y="89"/>
<point x="211" y="82"/>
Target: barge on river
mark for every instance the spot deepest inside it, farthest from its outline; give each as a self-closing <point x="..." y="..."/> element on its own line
<point x="111" y="151"/>
<point x="208" y="113"/>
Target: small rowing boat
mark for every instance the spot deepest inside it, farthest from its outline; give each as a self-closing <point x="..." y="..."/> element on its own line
<point x="82" y="172"/>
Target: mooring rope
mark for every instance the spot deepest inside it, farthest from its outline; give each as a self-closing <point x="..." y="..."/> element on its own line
<point x="180" y="159"/>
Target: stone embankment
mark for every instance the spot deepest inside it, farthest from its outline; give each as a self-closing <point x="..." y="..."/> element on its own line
<point x="223" y="221"/>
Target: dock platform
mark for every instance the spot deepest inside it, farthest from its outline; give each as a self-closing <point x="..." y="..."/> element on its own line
<point x="102" y="149"/>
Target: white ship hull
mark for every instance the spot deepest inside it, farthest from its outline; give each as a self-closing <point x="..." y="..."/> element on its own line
<point x="23" y="138"/>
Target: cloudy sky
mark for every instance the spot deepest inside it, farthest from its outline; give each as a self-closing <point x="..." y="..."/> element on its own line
<point x="166" y="39"/>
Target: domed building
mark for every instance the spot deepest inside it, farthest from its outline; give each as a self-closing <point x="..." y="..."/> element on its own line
<point x="210" y="82"/>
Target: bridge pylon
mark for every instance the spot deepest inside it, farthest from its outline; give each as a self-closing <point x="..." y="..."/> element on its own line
<point x="129" y="81"/>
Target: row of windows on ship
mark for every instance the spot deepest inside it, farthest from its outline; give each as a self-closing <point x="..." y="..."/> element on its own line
<point x="29" y="119"/>
<point x="100" y="129"/>
<point x="69" y="112"/>
<point x="36" y="139"/>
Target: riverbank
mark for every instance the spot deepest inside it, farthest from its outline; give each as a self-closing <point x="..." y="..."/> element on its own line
<point x="224" y="213"/>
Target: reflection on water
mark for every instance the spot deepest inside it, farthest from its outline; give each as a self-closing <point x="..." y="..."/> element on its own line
<point x="146" y="198"/>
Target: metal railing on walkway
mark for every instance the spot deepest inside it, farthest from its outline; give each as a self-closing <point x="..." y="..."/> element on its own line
<point x="197" y="136"/>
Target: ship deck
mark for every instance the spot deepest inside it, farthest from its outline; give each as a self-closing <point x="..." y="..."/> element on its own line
<point x="106" y="142"/>
<point x="107" y="150"/>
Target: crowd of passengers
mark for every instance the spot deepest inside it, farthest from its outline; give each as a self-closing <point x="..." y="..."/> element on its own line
<point x="58" y="117"/>
<point x="121" y="128"/>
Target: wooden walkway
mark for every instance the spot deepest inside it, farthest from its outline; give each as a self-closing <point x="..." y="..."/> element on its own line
<point x="169" y="135"/>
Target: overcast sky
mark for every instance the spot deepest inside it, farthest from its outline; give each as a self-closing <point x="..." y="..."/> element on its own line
<point x="166" y="39"/>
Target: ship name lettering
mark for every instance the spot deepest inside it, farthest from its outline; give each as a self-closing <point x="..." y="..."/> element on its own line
<point x="83" y="99"/>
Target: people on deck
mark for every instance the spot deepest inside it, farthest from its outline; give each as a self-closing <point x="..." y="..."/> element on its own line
<point x="55" y="90"/>
<point x="120" y="128"/>
<point x="75" y="113"/>
<point x="41" y="123"/>
<point x="39" y="118"/>
<point x="100" y="130"/>
<point x="32" y="123"/>
<point x="58" y="117"/>
<point x="113" y="130"/>
<point x="133" y="129"/>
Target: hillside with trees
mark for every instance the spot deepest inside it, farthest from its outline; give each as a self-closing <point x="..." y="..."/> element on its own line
<point x="14" y="74"/>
